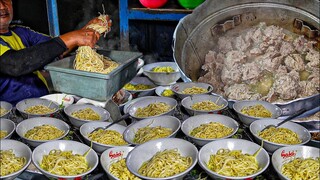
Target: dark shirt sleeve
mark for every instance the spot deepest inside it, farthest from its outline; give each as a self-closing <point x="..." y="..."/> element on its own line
<point x="24" y="61"/>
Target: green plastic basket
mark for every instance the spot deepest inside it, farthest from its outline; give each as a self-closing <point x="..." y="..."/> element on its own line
<point x="91" y="85"/>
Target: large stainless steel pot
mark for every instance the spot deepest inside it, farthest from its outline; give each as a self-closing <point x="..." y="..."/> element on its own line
<point x="198" y="32"/>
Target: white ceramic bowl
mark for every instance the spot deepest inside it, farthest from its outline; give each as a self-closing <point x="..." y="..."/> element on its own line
<point x="31" y="123"/>
<point x="26" y="103"/>
<point x="141" y="103"/>
<point x="113" y="155"/>
<point x="20" y="150"/>
<point x="161" y="78"/>
<point x="62" y="99"/>
<point x="232" y="144"/>
<point x="247" y="120"/>
<point x="160" y="89"/>
<point x="87" y="128"/>
<point x="188" y="101"/>
<point x="76" y="122"/>
<point x="285" y="154"/>
<point x="195" y="121"/>
<point x="140" y="93"/>
<point x="64" y="145"/>
<point x="163" y="121"/>
<point x="257" y="126"/>
<point x="146" y="151"/>
<point x="8" y="126"/>
<point x="8" y="107"/>
<point x="179" y="87"/>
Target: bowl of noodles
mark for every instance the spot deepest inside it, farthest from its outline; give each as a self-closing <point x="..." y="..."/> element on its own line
<point x="140" y="86"/>
<point x="80" y="114"/>
<point x="38" y="130"/>
<point x="252" y="110"/>
<point x="297" y="162"/>
<point x="204" y="128"/>
<point x="152" y="107"/>
<point x="164" y="158"/>
<point x="204" y="104"/>
<point x="37" y="107"/>
<point x="15" y="158"/>
<point x="103" y="139"/>
<point x="7" y="128"/>
<point x="233" y="159"/>
<point x="162" y="73"/>
<point x="185" y="89"/>
<point x="64" y="159"/>
<point x="5" y="109"/>
<point x="152" y="128"/>
<point x="288" y="134"/>
<point x="113" y="162"/>
<point x="164" y="91"/>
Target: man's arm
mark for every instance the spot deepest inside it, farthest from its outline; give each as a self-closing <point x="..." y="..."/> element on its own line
<point x="17" y="63"/>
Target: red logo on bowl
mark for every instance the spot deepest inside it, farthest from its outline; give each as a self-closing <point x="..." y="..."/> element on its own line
<point x="115" y="155"/>
<point x="285" y="155"/>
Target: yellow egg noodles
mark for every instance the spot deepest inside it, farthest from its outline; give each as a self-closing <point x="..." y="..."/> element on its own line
<point x="194" y="90"/>
<point x="280" y="135"/>
<point x="302" y="169"/>
<point x="206" y="106"/>
<point x="233" y="163"/>
<point x="152" y="109"/>
<point x="44" y="132"/>
<point x="3" y="133"/>
<point x="256" y="111"/>
<point x="137" y="87"/>
<point x="3" y="111"/>
<point x="163" y="69"/>
<point x="88" y="59"/>
<point x="119" y="169"/>
<point x="10" y="163"/>
<point x="165" y="163"/>
<point x="149" y="133"/>
<point x="211" y="130"/>
<point x="167" y="92"/>
<point x="65" y="163"/>
<point x="86" y="114"/>
<point x="110" y="137"/>
<point x="39" y="109"/>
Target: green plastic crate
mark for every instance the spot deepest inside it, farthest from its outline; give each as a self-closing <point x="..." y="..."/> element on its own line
<point x="90" y="85"/>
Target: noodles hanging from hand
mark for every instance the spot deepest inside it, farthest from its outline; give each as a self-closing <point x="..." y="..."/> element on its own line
<point x="233" y="163"/>
<point x="165" y="163"/>
<point x="88" y="59"/>
<point x="280" y="135"/>
<point x="120" y="170"/>
<point x="64" y="163"/>
<point x="10" y="163"/>
<point x="211" y="130"/>
<point x="302" y="169"/>
<point x="44" y="132"/>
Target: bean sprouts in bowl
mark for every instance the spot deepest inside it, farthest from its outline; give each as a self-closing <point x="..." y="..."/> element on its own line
<point x="301" y="162"/>
<point x="249" y="160"/>
<point x="87" y="159"/>
<point x="181" y="154"/>
<point x="152" y="107"/>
